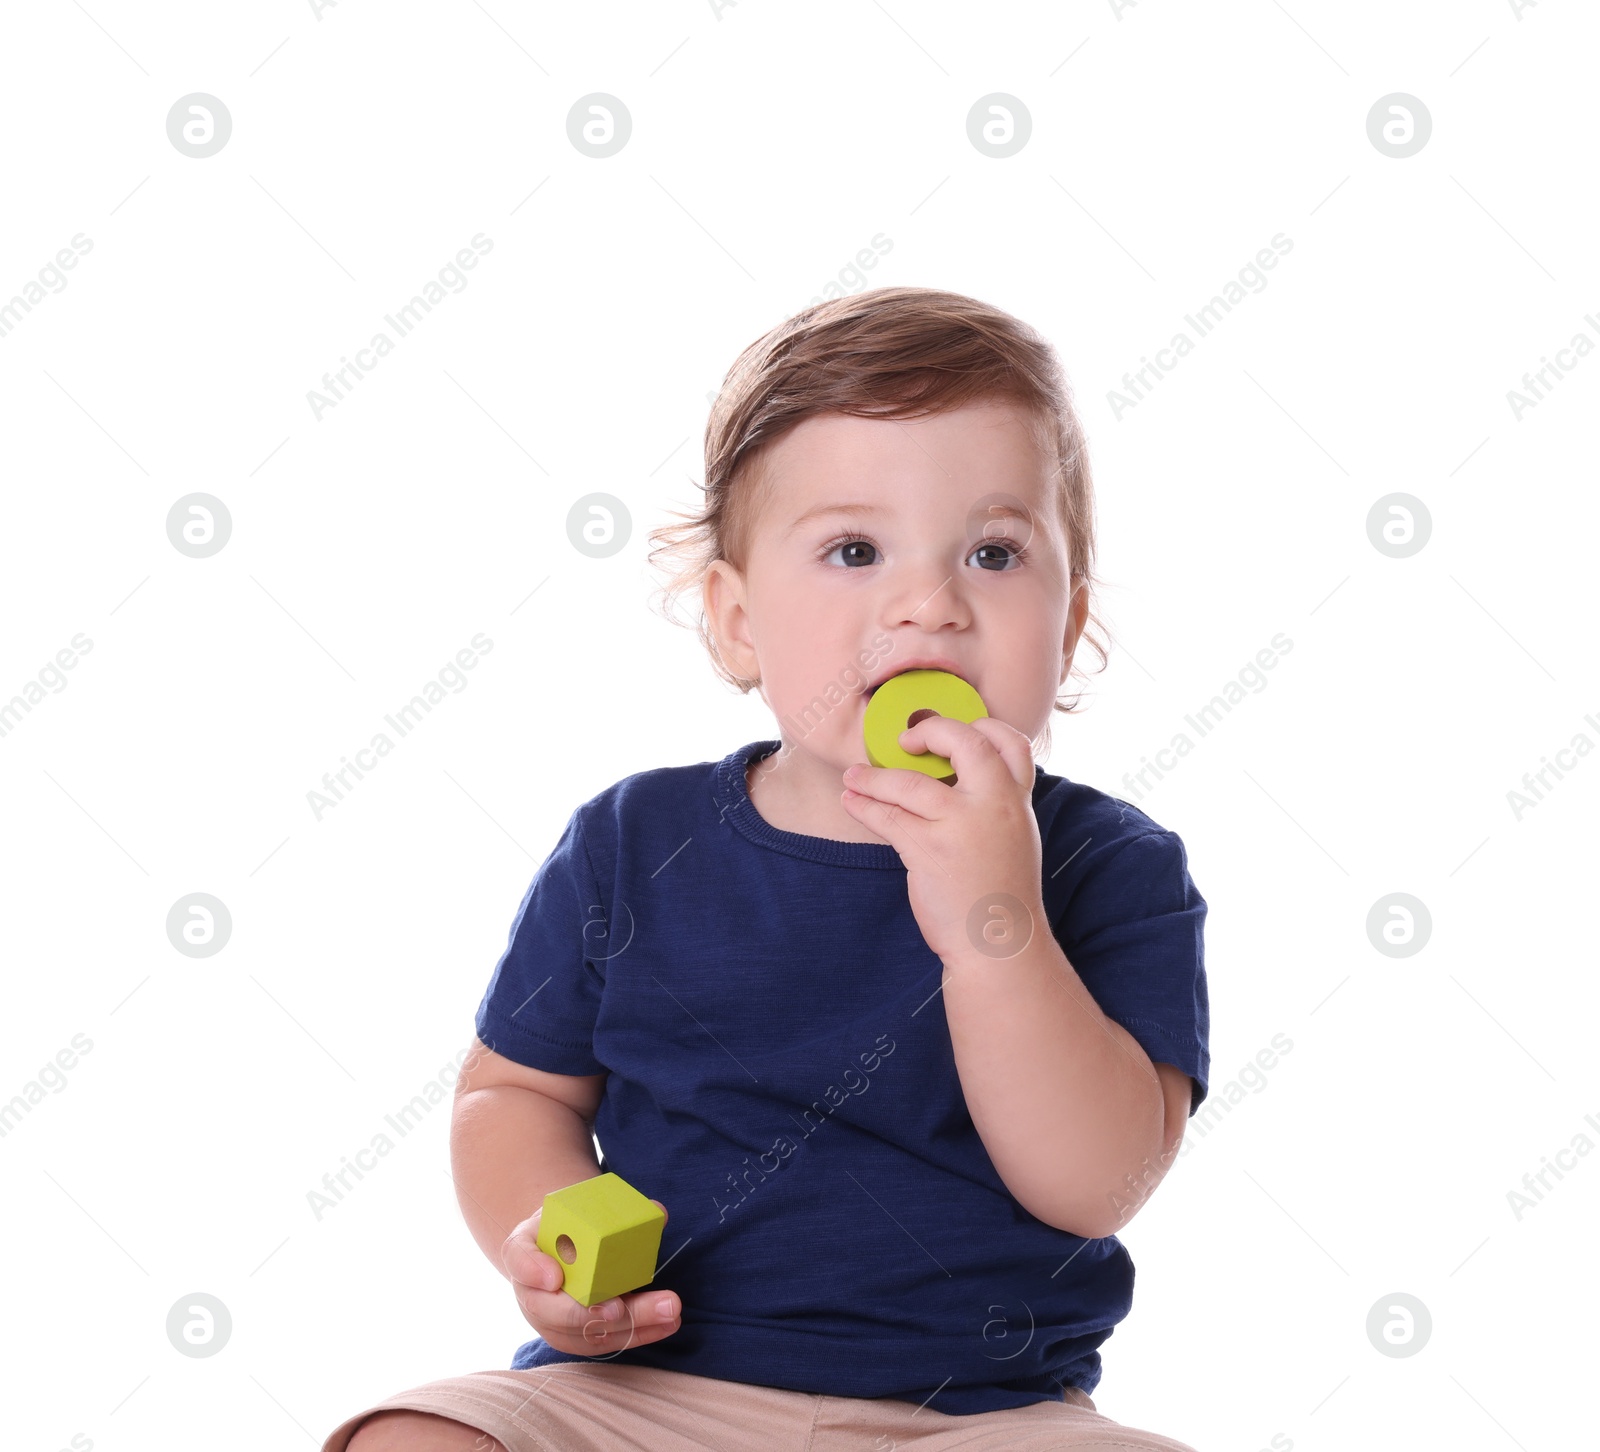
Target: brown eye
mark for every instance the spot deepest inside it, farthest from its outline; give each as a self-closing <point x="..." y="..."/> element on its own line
<point x="998" y="555"/>
<point x="855" y="552"/>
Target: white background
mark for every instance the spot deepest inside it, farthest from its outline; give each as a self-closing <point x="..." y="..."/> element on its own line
<point x="1170" y="143"/>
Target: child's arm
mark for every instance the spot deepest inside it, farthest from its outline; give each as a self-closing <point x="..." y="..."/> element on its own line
<point x="515" y="1134"/>
<point x="1078" y="1120"/>
<point x="1079" y="1123"/>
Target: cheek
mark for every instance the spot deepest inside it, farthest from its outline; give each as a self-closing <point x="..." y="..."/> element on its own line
<point x="1028" y="632"/>
<point x="1024" y="668"/>
<point x="804" y="637"/>
<point x="811" y="672"/>
<point x="803" y="664"/>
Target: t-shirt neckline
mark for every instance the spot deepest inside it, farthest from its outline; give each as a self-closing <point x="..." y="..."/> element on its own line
<point x="733" y="798"/>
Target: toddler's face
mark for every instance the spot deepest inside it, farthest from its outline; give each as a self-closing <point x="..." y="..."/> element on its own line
<point x="886" y="544"/>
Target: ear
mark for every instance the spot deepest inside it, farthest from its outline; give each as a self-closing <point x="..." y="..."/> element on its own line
<point x="723" y="594"/>
<point x="1077" y="618"/>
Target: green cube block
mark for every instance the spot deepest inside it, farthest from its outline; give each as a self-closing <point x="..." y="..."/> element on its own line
<point x="606" y="1235"/>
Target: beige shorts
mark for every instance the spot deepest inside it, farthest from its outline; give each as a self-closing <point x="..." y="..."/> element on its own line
<point x="586" y="1406"/>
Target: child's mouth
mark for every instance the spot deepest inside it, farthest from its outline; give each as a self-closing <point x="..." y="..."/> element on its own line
<point x="871" y="691"/>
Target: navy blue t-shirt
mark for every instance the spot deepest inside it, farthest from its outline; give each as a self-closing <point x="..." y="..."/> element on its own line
<point x="781" y="1078"/>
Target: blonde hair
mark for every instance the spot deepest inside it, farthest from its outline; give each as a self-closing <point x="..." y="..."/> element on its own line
<point x="891" y="352"/>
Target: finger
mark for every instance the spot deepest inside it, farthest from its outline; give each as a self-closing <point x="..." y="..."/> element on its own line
<point x="914" y="791"/>
<point x="622" y="1320"/>
<point x="974" y="762"/>
<point x="559" y="1311"/>
<point x="603" y="1340"/>
<point x="593" y="1335"/>
<point x="642" y="1308"/>
<point x="894" y="823"/>
<point x="525" y="1264"/>
<point x="653" y="1307"/>
<point x="974" y="752"/>
<point x="1014" y="748"/>
<point x="560" y="1308"/>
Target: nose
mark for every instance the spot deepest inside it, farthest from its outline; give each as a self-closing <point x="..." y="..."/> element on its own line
<point x="927" y="597"/>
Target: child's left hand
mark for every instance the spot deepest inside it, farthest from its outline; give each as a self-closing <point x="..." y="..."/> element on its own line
<point x="974" y="840"/>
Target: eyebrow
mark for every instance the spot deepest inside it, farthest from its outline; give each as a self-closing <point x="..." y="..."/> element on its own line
<point x="831" y="509"/>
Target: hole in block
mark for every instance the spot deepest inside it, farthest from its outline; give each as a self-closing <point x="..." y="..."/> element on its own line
<point x="566" y="1249"/>
<point x="921" y="715"/>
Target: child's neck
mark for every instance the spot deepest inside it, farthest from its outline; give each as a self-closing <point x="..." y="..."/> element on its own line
<point x="795" y="791"/>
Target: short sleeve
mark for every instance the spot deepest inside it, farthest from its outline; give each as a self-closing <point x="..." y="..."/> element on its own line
<point x="544" y="994"/>
<point x="1133" y="932"/>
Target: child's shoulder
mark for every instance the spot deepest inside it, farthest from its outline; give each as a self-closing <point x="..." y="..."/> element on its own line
<point x="1100" y="849"/>
<point x="651" y="794"/>
<point x="1086" y="815"/>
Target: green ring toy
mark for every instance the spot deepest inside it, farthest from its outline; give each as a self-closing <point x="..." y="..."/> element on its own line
<point x="892" y="705"/>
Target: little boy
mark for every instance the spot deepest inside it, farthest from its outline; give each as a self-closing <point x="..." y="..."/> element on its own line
<point x="898" y="1055"/>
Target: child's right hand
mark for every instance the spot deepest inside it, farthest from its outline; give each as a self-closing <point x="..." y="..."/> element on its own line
<point x="634" y="1319"/>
